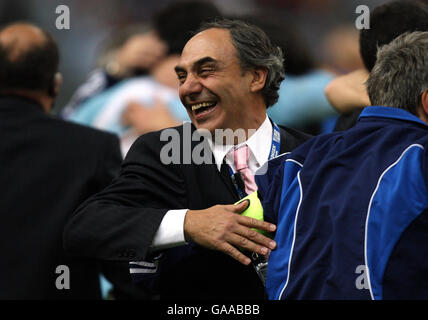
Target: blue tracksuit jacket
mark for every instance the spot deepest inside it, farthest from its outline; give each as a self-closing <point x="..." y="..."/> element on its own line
<point x="351" y="209"/>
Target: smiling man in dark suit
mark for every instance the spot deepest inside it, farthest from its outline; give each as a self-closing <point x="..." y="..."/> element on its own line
<point x="229" y="73"/>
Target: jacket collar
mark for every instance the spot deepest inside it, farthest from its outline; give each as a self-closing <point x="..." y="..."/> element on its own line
<point x="389" y="113"/>
<point x="257" y="143"/>
<point x="19" y="103"/>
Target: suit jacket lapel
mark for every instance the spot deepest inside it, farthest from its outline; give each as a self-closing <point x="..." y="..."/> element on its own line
<point x="225" y="176"/>
<point x="282" y="147"/>
<point x="210" y="172"/>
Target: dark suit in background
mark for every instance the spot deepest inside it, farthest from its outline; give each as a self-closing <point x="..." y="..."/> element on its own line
<point x="120" y="222"/>
<point x="48" y="167"/>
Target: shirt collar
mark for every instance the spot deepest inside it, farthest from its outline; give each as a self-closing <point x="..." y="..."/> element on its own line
<point x="258" y="144"/>
<point x="389" y="112"/>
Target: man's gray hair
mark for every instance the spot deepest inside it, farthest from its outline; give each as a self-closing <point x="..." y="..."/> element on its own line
<point x="400" y="74"/>
<point x="255" y="50"/>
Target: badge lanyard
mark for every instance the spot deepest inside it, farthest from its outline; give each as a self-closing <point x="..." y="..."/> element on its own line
<point x="274" y="152"/>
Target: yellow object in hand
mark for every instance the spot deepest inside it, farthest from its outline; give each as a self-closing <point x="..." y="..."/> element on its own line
<point x="255" y="211"/>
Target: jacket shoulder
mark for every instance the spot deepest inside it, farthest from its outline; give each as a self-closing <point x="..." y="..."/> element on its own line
<point x="292" y="138"/>
<point x="151" y="144"/>
<point x="84" y="136"/>
<point x="82" y="130"/>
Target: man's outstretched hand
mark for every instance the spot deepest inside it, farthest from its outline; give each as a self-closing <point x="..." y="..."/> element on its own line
<point x="222" y="228"/>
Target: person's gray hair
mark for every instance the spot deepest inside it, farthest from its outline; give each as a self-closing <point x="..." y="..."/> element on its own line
<point x="400" y="74"/>
<point x="255" y="50"/>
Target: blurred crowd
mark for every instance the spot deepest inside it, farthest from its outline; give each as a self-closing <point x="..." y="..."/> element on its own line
<point x="104" y="38"/>
<point x="321" y="26"/>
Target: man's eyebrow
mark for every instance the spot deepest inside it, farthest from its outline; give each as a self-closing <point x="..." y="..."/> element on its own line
<point x="179" y="69"/>
<point x="203" y="61"/>
<point x="197" y="64"/>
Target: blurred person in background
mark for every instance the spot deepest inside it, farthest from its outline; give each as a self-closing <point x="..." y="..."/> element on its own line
<point x="348" y="93"/>
<point x="341" y="50"/>
<point x="49" y="167"/>
<point x="149" y="103"/>
<point x="302" y="103"/>
<point x="128" y="52"/>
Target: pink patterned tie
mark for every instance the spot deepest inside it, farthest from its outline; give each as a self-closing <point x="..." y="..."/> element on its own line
<point x="241" y="164"/>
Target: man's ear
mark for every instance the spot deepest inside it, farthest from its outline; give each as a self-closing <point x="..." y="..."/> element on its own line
<point x="424" y="101"/>
<point x="423" y="110"/>
<point x="259" y="79"/>
<point x="56" y="85"/>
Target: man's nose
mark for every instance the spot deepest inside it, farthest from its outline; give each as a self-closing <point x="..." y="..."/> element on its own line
<point x="191" y="87"/>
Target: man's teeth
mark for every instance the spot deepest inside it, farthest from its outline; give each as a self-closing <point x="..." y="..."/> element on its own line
<point x="202" y="105"/>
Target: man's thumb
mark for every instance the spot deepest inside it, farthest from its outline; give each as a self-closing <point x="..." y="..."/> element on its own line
<point x="242" y="206"/>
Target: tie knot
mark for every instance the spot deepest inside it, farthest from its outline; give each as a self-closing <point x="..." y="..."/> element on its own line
<point x="241" y="157"/>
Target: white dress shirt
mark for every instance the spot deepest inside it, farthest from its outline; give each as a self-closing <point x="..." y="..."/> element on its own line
<point x="171" y="230"/>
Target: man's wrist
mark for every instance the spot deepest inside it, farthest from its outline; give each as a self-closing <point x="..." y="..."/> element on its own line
<point x="187" y="225"/>
<point x="171" y="230"/>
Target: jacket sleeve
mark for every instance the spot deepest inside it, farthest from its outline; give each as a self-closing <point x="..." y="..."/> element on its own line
<point x="119" y="223"/>
<point x="269" y="187"/>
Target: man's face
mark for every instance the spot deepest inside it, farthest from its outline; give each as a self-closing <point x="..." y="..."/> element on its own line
<point x="213" y="87"/>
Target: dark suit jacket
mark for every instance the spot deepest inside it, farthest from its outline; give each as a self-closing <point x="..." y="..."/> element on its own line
<point x="347" y="120"/>
<point x="121" y="221"/>
<point x="48" y="167"/>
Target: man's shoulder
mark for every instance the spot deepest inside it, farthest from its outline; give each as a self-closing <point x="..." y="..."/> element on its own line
<point x="161" y="137"/>
<point x="83" y="131"/>
<point x="153" y="144"/>
<point x="85" y="137"/>
<point x="292" y="138"/>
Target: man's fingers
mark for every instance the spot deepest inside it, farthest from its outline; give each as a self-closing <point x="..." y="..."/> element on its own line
<point x="234" y="253"/>
<point x="247" y="243"/>
<point x="258" y="224"/>
<point x="240" y="207"/>
<point x="220" y="228"/>
<point x="256" y="241"/>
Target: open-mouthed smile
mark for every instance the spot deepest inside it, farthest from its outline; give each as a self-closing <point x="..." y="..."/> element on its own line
<point x="202" y="109"/>
<point x="203" y="105"/>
